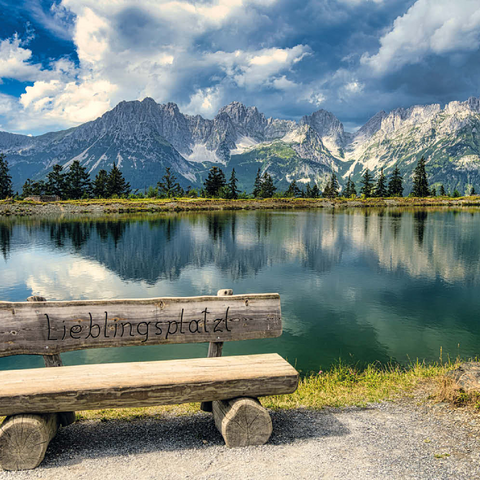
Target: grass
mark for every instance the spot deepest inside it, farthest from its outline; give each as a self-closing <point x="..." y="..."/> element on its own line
<point x="340" y="386"/>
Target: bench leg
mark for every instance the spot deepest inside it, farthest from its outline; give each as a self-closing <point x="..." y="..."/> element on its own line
<point x="242" y="421"/>
<point x="24" y="440"/>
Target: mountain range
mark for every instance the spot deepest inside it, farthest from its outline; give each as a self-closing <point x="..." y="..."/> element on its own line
<point x="144" y="137"/>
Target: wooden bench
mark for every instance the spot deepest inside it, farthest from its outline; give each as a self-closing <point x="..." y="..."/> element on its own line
<point x="37" y="401"/>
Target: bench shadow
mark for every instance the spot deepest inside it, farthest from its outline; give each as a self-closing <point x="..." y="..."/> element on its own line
<point x="94" y="439"/>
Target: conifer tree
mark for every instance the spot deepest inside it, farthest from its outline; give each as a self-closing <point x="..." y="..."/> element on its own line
<point x="443" y="193"/>
<point x="100" y="185"/>
<point x="315" y="192"/>
<point x="56" y="181"/>
<point x="293" y="190"/>
<point x="116" y="184"/>
<point x="381" y="186"/>
<point x="215" y="182"/>
<point x="5" y="178"/>
<point x="168" y="185"/>
<point x="433" y="192"/>
<point x="420" y="182"/>
<point x="367" y="185"/>
<point x="472" y="191"/>
<point x="77" y="181"/>
<point x="350" y="189"/>
<point x="395" y="184"/>
<point x="232" y="186"/>
<point x="257" y="186"/>
<point x="456" y="193"/>
<point x="331" y="190"/>
<point x="268" y="188"/>
<point x="33" y="188"/>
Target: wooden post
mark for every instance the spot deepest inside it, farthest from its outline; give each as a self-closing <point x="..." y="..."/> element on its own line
<point x="65" y="418"/>
<point x="24" y="440"/>
<point x="215" y="349"/>
<point x="242" y="421"/>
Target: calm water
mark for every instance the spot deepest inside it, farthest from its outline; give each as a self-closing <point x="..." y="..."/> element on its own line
<point x="358" y="285"/>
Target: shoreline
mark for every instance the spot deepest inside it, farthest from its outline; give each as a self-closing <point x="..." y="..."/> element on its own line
<point x="120" y="206"/>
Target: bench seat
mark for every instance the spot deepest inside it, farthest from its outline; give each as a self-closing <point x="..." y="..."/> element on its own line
<point x="136" y="384"/>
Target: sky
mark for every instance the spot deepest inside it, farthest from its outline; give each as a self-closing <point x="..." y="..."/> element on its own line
<point x="66" y="62"/>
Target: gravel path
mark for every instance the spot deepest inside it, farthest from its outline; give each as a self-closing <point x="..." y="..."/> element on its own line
<point x="383" y="441"/>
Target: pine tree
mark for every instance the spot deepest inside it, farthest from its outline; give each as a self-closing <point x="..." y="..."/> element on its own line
<point x="315" y="193"/>
<point x="442" y="191"/>
<point x="293" y="190"/>
<point x="56" y="181"/>
<point x="456" y="193"/>
<point x="168" y="186"/>
<point x="433" y="192"/>
<point x="214" y="182"/>
<point x="77" y="181"/>
<point x="332" y="188"/>
<point x="381" y="187"/>
<point x="5" y="179"/>
<point x="472" y="191"/>
<point x="268" y="188"/>
<point x="117" y="185"/>
<point x="257" y="186"/>
<point x="350" y="189"/>
<point x="100" y="185"/>
<point x="395" y="184"/>
<point x="33" y="188"/>
<point x="367" y="185"/>
<point x="232" y="186"/>
<point x="420" y="182"/>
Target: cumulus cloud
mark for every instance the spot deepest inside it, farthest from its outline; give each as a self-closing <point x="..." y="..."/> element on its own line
<point x="428" y="27"/>
<point x="15" y="60"/>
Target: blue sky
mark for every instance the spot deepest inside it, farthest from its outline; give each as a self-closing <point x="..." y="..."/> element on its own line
<point x="66" y="62"/>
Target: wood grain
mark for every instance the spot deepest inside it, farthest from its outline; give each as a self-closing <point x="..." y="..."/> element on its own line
<point x="47" y="328"/>
<point x="65" y="418"/>
<point x="242" y="421"/>
<point x="91" y="387"/>
<point x="24" y="440"/>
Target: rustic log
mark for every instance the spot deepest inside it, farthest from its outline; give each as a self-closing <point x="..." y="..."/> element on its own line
<point x="242" y="421"/>
<point x="215" y="349"/>
<point x="24" y="440"/>
<point x="65" y="418"/>
<point x="123" y="385"/>
<point x="48" y="328"/>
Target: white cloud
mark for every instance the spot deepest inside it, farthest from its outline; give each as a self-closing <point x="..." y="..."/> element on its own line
<point x="428" y="27"/>
<point x="205" y="101"/>
<point x="129" y="49"/>
<point x="15" y="61"/>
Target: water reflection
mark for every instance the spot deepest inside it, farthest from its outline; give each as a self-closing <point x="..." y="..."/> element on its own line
<point x="362" y="284"/>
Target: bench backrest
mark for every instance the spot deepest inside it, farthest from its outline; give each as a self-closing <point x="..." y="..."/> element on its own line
<point x="49" y="328"/>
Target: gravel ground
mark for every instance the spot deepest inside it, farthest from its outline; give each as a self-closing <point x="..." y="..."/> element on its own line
<point x="384" y="441"/>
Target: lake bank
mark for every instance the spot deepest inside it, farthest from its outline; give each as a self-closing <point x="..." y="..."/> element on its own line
<point x="115" y="206"/>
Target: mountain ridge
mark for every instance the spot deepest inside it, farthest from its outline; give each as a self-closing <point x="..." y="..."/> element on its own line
<point x="144" y="137"/>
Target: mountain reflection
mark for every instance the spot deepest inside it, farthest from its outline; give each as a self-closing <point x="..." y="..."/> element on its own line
<point x="241" y="244"/>
<point x="365" y="284"/>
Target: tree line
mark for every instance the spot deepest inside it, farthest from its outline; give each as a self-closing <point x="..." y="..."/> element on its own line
<point x="76" y="184"/>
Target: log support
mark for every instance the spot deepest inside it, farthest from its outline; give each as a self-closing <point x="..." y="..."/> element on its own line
<point x="65" y="418"/>
<point x="24" y="440"/>
<point x="242" y="421"/>
<point x="215" y="348"/>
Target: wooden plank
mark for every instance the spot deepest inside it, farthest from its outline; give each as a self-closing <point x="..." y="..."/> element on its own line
<point x="46" y="328"/>
<point x="91" y="387"/>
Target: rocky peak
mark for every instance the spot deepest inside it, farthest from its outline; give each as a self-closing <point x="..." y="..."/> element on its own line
<point x="371" y="127"/>
<point x="326" y="124"/>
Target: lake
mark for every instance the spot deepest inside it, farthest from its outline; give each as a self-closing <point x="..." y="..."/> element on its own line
<point x="360" y="285"/>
